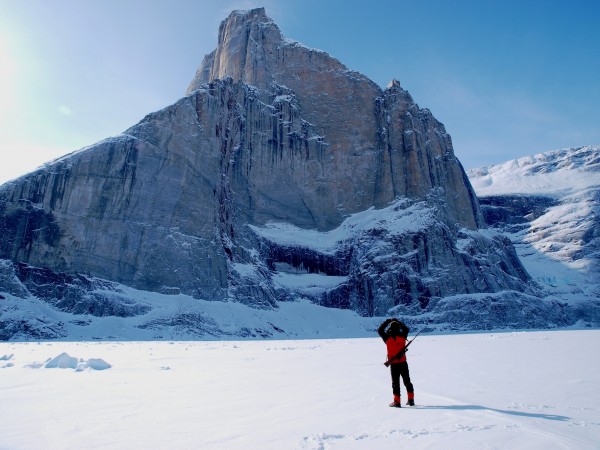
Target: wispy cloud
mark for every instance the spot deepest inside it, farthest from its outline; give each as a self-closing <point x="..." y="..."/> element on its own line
<point x="65" y="110"/>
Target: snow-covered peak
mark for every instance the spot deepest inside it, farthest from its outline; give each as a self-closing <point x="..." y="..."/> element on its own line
<point x="549" y="173"/>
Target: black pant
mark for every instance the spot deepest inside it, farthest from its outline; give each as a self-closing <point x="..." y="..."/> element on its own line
<point x="400" y="370"/>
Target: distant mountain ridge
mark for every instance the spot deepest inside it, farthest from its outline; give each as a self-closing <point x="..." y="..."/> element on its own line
<point x="549" y="206"/>
<point x="549" y="173"/>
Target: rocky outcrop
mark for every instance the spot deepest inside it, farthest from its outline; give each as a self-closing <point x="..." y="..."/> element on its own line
<point x="270" y="132"/>
<point x="405" y="255"/>
<point x="514" y="212"/>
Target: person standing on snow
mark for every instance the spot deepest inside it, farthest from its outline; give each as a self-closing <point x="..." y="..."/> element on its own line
<point x="395" y="341"/>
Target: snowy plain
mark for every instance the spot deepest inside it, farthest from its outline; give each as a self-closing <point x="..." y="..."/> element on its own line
<point x="507" y="390"/>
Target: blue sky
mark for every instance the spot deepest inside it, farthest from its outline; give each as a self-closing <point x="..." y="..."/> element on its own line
<point x="507" y="78"/>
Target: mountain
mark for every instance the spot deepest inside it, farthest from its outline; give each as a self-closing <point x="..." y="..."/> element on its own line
<point x="282" y="175"/>
<point x="549" y="206"/>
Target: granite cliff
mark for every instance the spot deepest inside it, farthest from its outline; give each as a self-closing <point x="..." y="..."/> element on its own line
<point x="280" y="175"/>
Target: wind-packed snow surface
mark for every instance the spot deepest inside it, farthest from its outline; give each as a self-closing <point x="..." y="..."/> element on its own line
<point x="517" y="390"/>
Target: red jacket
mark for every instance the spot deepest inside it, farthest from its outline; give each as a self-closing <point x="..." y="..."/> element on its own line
<point x="394" y="344"/>
<point x="394" y="341"/>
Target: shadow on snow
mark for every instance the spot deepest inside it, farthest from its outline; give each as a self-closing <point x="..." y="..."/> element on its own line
<point x="502" y="411"/>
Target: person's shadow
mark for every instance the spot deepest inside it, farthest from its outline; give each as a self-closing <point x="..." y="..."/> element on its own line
<point x="502" y="411"/>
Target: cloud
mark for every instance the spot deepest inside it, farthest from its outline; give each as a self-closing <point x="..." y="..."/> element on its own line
<point x="65" y="110"/>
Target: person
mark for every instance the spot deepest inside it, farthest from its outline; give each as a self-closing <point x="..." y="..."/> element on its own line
<point x="395" y="341"/>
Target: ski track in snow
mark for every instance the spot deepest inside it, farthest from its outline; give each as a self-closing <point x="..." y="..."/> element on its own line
<point x="495" y="390"/>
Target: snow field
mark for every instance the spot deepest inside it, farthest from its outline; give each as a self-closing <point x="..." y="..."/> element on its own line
<point x="501" y="390"/>
<point x="551" y="173"/>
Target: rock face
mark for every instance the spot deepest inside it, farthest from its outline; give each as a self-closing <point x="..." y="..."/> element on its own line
<point x="270" y="134"/>
<point x="377" y="145"/>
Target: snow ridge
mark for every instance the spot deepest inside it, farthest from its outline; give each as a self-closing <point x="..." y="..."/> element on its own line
<point x="550" y="173"/>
